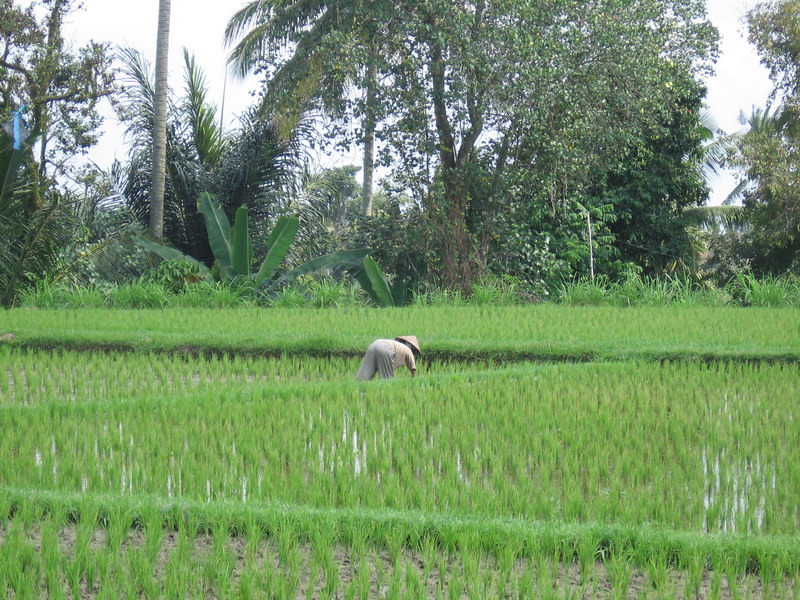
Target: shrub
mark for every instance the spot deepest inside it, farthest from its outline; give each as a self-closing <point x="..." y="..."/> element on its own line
<point x="586" y="292"/>
<point x="290" y="297"/>
<point x="769" y="291"/>
<point x="47" y="295"/>
<point x="140" y="294"/>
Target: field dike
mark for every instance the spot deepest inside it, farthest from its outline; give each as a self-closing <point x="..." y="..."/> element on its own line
<point x="302" y="552"/>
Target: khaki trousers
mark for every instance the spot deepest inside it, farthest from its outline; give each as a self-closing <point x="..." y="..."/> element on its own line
<point x="379" y="358"/>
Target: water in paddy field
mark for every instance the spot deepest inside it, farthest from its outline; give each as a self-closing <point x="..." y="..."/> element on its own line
<point x="736" y="491"/>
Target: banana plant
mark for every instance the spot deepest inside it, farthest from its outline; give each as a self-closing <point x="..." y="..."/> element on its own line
<point x="233" y="251"/>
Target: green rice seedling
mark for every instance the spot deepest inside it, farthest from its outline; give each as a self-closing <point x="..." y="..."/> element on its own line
<point x="455" y="586"/>
<point x="22" y="573"/>
<point x="311" y="586"/>
<point x="322" y="540"/>
<point x="247" y="585"/>
<point x="356" y="536"/>
<point x="120" y="520"/>
<point x="619" y="571"/>
<point x="394" y="587"/>
<point x="694" y="562"/>
<point x="177" y="572"/>
<point x="395" y="539"/>
<point x="586" y="551"/>
<point x="546" y="575"/>
<point x="429" y="552"/>
<point x="658" y="572"/>
<point x="51" y="556"/>
<point x="288" y="547"/>
<point x="254" y="538"/>
<point x="715" y="585"/>
<point x="362" y="583"/>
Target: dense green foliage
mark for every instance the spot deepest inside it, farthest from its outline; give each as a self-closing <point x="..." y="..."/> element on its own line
<point x="767" y="153"/>
<point x="59" y="84"/>
<point x="505" y="122"/>
<point x="541" y="142"/>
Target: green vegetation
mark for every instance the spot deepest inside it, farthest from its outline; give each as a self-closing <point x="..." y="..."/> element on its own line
<point x="606" y="405"/>
<point x="513" y="332"/>
<point x="175" y="469"/>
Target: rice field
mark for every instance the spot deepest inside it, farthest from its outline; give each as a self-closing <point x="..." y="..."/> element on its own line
<point x="540" y="331"/>
<point x="183" y="468"/>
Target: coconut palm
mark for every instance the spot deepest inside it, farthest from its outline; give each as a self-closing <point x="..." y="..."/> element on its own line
<point x="332" y="44"/>
<point x="160" y="122"/>
<point x="759" y="122"/>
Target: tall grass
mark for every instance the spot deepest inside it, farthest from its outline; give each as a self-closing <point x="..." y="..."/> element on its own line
<point x="633" y="290"/>
<point x="636" y="290"/>
<point x="768" y="291"/>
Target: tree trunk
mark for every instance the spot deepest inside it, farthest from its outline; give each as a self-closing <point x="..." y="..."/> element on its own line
<point x="160" y="123"/>
<point x="457" y="271"/>
<point x="369" y="131"/>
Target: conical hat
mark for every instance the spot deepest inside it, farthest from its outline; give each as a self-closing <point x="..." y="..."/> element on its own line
<point x="411" y="340"/>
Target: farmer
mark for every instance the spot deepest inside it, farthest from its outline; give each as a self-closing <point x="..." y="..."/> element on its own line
<point x="384" y="356"/>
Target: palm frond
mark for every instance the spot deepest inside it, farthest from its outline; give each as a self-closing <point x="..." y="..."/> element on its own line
<point x="257" y="11"/>
<point x="716" y="218"/>
<point x="31" y="248"/>
<point x="138" y="94"/>
<point x="208" y="139"/>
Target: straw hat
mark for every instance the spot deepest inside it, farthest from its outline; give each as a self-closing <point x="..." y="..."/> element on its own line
<point x="410" y="340"/>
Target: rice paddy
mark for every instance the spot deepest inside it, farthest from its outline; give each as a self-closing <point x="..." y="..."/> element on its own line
<point x="251" y="464"/>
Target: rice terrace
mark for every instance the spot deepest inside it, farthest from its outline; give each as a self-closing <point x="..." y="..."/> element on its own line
<point x="542" y="452"/>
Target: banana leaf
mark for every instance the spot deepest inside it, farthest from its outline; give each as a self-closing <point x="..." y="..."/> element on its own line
<point x="349" y="259"/>
<point x="373" y="282"/>
<point x="168" y="253"/>
<point x="241" y="247"/>
<point x="219" y="232"/>
<point x="278" y="242"/>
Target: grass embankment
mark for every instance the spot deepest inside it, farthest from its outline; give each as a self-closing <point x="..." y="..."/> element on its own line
<point x="540" y="332"/>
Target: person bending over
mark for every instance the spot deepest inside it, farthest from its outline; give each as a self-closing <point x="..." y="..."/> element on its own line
<point x="384" y="356"/>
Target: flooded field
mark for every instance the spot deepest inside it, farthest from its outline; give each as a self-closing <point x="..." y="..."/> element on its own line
<point x="668" y="476"/>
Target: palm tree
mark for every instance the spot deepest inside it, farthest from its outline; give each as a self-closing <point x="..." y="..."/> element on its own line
<point x="255" y="165"/>
<point x="320" y="34"/>
<point x="32" y="232"/>
<point x="160" y="122"/>
<point x="760" y="122"/>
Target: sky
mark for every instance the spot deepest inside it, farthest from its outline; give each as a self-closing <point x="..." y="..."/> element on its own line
<point x="740" y="82"/>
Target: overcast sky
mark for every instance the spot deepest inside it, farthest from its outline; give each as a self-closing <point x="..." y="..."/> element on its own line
<point x="739" y="84"/>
